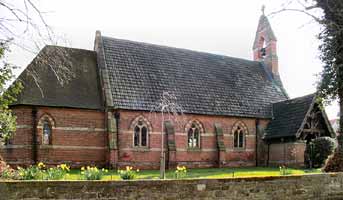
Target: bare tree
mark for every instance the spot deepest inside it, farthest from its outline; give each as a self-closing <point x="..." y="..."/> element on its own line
<point x="23" y="24"/>
<point x="169" y="109"/>
<point x="307" y="7"/>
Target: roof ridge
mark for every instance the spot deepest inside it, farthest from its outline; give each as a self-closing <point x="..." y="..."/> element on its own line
<point x="297" y="98"/>
<point x="74" y="48"/>
<point x="178" y="48"/>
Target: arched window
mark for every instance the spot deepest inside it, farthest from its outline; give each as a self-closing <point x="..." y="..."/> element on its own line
<point x="193" y="130"/>
<point x="46" y="125"/>
<point x="46" y="132"/>
<point x="141" y="129"/>
<point x="238" y="138"/>
<point x="239" y="131"/>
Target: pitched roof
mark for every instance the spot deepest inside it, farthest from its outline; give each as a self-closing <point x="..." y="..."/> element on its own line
<point x="204" y="83"/>
<point x="80" y="87"/>
<point x="288" y="116"/>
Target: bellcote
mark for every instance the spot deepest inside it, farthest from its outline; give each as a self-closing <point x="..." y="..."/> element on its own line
<point x="264" y="47"/>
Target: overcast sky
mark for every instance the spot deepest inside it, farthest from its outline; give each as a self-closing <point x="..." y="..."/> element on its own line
<point x="225" y="27"/>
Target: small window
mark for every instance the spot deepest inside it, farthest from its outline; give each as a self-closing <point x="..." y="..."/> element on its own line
<point x="194" y="136"/>
<point x="46" y="132"/>
<point x="238" y="140"/>
<point x="140" y="138"/>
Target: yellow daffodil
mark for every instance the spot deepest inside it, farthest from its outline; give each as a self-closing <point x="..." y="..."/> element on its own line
<point x="41" y="165"/>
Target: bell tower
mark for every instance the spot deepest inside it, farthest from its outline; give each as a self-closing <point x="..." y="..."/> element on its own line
<point x="265" y="45"/>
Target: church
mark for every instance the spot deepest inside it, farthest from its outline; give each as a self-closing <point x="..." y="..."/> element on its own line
<point x="84" y="107"/>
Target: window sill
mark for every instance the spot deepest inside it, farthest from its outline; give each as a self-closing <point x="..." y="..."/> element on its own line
<point x="239" y="149"/>
<point x="45" y="146"/>
<point x="195" y="149"/>
<point x="141" y="149"/>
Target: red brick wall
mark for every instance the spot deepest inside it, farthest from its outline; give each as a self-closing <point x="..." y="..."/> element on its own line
<point x="78" y="137"/>
<point x="19" y="152"/>
<point x="289" y="154"/>
<point x="206" y="156"/>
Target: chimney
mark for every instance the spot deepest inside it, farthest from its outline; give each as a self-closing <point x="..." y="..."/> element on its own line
<point x="265" y="45"/>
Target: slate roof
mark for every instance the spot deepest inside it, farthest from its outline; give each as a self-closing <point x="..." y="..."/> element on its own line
<point x="81" y="91"/>
<point x="288" y="116"/>
<point x="204" y="83"/>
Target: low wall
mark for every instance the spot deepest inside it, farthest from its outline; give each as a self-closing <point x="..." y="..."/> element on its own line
<point x="321" y="186"/>
<point x="288" y="154"/>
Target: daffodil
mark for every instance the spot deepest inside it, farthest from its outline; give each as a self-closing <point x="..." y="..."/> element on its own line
<point x="41" y="165"/>
<point x="82" y="168"/>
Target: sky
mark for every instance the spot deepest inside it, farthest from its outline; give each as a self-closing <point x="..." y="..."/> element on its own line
<point x="225" y="27"/>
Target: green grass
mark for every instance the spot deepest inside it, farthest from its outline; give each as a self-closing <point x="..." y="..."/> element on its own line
<point x="204" y="173"/>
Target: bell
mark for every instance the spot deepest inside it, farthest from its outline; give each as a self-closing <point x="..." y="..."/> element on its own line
<point x="263" y="52"/>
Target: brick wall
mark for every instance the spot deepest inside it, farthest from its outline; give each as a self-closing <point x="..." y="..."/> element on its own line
<point x="322" y="186"/>
<point x="206" y="156"/>
<point x="78" y="137"/>
<point x="289" y="154"/>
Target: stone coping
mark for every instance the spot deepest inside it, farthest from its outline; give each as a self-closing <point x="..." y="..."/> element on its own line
<point x="159" y="181"/>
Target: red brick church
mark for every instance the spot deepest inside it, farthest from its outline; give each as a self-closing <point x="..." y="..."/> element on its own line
<point x="237" y="111"/>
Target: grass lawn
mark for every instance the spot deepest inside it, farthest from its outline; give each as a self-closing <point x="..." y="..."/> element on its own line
<point x="204" y="173"/>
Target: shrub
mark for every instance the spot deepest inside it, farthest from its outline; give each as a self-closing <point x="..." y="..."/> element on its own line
<point x="8" y="173"/>
<point x="2" y="165"/>
<point x="180" y="172"/>
<point x="322" y="148"/>
<point x="335" y="162"/>
<point x="128" y="173"/>
<point x="92" y="173"/>
<point x="56" y="173"/>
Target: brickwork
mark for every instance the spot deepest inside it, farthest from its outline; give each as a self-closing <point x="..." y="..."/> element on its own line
<point x="266" y="41"/>
<point x="89" y="137"/>
<point x="321" y="186"/>
<point x="78" y="137"/>
<point x="205" y="156"/>
<point x="289" y="154"/>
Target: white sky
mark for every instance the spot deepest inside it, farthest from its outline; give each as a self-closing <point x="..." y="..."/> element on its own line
<point x="224" y="27"/>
